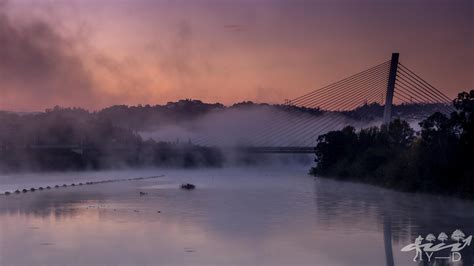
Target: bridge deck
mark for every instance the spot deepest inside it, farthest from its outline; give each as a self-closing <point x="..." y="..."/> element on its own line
<point x="280" y="149"/>
<point x="80" y="148"/>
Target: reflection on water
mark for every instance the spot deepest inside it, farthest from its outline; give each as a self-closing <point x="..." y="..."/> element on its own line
<point x="234" y="217"/>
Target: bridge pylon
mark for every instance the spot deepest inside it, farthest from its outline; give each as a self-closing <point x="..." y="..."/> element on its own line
<point x="392" y="76"/>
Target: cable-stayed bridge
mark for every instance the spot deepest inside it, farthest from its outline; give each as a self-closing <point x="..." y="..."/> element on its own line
<point x="369" y="98"/>
<point x="295" y="126"/>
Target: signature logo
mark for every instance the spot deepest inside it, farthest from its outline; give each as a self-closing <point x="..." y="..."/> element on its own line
<point x="433" y="244"/>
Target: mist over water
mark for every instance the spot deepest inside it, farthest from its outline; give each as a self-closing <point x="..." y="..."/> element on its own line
<point x="255" y="126"/>
<point x="235" y="216"/>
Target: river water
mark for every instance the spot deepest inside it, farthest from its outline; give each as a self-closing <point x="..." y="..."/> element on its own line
<point x="235" y="216"/>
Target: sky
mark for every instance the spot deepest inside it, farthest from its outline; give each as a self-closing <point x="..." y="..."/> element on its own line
<point x="97" y="53"/>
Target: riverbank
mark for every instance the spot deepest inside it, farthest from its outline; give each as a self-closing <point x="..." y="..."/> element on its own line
<point x="437" y="160"/>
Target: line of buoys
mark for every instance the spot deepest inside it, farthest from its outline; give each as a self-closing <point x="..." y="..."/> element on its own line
<point x="86" y="183"/>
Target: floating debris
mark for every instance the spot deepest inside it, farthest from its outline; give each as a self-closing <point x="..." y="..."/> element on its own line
<point x="143" y="193"/>
<point x="188" y="186"/>
<point x="7" y="193"/>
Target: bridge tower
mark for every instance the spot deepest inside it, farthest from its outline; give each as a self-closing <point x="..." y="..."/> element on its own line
<point x="392" y="76"/>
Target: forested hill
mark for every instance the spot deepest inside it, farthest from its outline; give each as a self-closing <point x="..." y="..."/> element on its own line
<point x="148" y="117"/>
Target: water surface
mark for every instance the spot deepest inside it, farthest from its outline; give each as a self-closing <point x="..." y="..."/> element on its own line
<point x="256" y="216"/>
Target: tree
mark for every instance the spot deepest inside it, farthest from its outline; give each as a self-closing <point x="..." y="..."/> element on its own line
<point x="332" y="147"/>
<point x="464" y="104"/>
<point x="398" y="133"/>
<point x="442" y="237"/>
<point x="457" y="235"/>
<point x="430" y="238"/>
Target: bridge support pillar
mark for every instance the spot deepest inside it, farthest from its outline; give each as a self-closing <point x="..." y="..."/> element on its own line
<point x="392" y="76"/>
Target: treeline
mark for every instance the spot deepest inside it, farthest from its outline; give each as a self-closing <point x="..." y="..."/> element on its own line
<point x="438" y="159"/>
<point x="91" y="157"/>
<point x="74" y="139"/>
<point x="109" y="137"/>
<point x="148" y="117"/>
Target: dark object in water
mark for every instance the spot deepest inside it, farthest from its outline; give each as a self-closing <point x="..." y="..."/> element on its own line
<point x="32" y="189"/>
<point x="188" y="186"/>
<point x="17" y="191"/>
<point x="40" y="188"/>
<point x="25" y="190"/>
<point x="143" y="193"/>
<point x="64" y="185"/>
<point x="7" y="193"/>
<point x="48" y="187"/>
<point x="80" y="184"/>
<point x="73" y="184"/>
<point x="56" y="186"/>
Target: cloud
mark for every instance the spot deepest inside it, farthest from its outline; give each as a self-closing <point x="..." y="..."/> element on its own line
<point x="235" y="27"/>
<point x="38" y="64"/>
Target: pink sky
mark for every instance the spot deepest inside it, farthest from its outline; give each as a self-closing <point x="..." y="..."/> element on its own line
<point x="98" y="53"/>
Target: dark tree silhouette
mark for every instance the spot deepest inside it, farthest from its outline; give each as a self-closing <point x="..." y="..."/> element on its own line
<point x="438" y="161"/>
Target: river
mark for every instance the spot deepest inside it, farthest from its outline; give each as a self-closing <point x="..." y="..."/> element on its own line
<point x="235" y="216"/>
